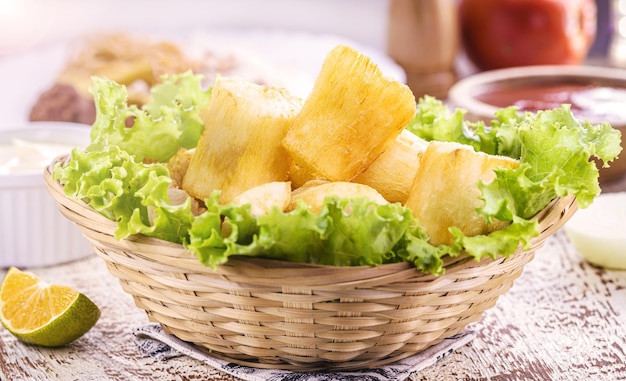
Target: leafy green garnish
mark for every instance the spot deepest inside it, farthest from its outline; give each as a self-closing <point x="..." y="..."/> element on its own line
<point x="159" y="128"/>
<point x="553" y="146"/>
<point x="112" y="175"/>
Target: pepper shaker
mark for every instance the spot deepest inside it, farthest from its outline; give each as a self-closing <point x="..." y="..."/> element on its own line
<point x="423" y="38"/>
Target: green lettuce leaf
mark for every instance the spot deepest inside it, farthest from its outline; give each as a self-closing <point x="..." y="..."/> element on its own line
<point x="126" y="191"/>
<point x="435" y="121"/>
<point x="554" y="148"/>
<point x="555" y="153"/>
<point x="347" y="232"/>
<point x="502" y="242"/>
<point x="157" y="130"/>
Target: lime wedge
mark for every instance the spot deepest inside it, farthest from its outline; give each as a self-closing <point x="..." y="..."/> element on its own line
<point x="44" y="314"/>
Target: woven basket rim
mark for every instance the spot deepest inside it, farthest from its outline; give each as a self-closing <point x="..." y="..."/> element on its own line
<point x="550" y="219"/>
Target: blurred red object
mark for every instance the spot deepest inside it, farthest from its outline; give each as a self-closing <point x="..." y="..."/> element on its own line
<point x="504" y="33"/>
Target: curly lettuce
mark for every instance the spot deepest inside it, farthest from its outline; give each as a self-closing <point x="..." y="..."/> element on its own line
<point x="158" y="129"/>
<point x="554" y="147"/>
<point x="121" y="177"/>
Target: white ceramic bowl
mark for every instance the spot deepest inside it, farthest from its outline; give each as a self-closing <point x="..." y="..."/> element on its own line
<point x="33" y="232"/>
<point x="504" y="85"/>
<point x="598" y="232"/>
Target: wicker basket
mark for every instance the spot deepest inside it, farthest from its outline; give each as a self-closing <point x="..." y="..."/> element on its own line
<point x="275" y="314"/>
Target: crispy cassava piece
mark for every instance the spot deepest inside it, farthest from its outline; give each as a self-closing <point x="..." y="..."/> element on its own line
<point x="314" y="192"/>
<point x="445" y="191"/>
<point x="393" y="171"/>
<point x="353" y="111"/>
<point x="240" y="146"/>
<point x="298" y="175"/>
<point x="178" y="164"/>
<point x="264" y="197"/>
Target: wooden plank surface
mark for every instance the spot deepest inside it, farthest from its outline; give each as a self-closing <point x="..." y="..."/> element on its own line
<point x="107" y="351"/>
<point x="562" y="320"/>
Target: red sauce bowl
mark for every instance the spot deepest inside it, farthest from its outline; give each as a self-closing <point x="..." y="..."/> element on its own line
<point x="596" y="94"/>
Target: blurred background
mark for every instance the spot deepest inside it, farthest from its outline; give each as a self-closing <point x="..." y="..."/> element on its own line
<point x="25" y="23"/>
<point x="38" y="38"/>
<point x="421" y="42"/>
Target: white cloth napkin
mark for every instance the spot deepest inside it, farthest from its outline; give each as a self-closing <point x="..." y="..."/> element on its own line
<point x="153" y="341"/>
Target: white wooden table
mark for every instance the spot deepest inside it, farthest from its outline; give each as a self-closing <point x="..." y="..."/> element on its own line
<point x="562" y="320"/>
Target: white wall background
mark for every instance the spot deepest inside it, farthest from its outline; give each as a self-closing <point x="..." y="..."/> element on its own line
<point x="35" y="34"/>
<point x="27" y="23"/>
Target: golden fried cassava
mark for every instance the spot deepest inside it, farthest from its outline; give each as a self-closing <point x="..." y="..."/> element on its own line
<point x="351" y="115"/>
<point x="445" y="191"/>
<point x="240" y="147"/>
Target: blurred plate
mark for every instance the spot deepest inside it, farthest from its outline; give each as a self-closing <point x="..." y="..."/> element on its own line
<point x="292" y="59"/>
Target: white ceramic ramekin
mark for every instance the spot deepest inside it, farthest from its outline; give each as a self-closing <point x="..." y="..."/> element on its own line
<point x="33" y="232"/>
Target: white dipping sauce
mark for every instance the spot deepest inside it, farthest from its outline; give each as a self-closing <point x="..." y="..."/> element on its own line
<point x="24" y="156"/>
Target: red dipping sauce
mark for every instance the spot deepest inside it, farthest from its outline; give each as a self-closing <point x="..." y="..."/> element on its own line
<point x="595" y="103"/>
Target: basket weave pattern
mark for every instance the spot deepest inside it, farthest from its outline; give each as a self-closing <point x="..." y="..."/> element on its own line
<point x="274" y="314"/>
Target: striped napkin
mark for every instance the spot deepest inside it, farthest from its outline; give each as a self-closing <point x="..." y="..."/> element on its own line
<point x="154" y="342"/>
